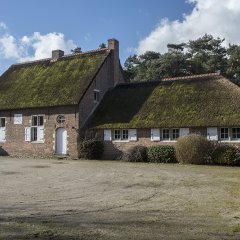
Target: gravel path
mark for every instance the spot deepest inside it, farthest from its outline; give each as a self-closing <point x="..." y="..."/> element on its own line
<point x="63" y="199"/>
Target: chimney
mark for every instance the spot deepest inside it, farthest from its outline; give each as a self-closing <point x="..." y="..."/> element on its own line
<point x="113" y="45"/>
<point x="56" y="54"/>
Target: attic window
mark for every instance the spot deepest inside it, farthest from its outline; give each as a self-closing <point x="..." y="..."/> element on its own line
<point x="96" y="94"/>
<point x="61" y="119"/>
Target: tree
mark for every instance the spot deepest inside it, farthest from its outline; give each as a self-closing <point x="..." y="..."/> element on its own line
<point x="76" y="50"/>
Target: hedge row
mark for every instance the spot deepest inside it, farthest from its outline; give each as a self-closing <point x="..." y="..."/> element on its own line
<point x="191" y="149"/>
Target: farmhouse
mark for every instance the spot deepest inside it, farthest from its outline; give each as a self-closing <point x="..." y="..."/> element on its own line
<point x="150" y="113"/>
<point x="46" y="106"/>
<point x="45" y="103"/>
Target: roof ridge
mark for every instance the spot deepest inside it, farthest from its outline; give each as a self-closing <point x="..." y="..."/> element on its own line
<point x="65" y="56"/>
<point x="192" y="76"/>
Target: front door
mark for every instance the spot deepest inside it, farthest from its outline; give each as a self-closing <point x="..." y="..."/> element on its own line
<point x="61" y="141"/>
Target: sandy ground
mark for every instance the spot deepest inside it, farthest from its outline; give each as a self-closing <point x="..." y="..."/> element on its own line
<point x="63" y="199"/>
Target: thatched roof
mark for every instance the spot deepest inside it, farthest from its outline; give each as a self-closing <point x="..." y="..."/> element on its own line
<point x="197" y="101"/>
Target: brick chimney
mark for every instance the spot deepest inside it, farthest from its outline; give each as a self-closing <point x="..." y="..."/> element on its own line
<point x="56" y="54"/>
<point x="113" y="45"/>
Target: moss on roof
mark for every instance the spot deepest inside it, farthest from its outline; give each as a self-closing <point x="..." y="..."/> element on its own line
<point x="45" y="83"/>
<point x="197" y="102"/>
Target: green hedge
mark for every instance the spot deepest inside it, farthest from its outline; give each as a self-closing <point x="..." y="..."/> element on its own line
<point x="161" y="154"/>
<point x="194" y="149"/>
<point x="226" y="155"/>
<point x="135" y="154"/>
<point x="90" y="149"/>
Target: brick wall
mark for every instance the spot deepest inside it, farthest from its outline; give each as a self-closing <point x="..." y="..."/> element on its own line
<point x="16" y="145"/>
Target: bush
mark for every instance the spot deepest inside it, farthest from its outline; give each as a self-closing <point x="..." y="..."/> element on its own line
<point x="194" y="149"/>
<point x="226" y="155"/>
<point x="161" y="154"/>
<point x="90" y="149"/>
<point x="136" y="154"/>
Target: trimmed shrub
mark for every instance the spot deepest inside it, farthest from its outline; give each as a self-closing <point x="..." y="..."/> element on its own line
<point x="226" y="155"/>
<point x="161" y="154"/>
<point x="90" y="149"/>
<point x="135" y="154"/>
<point x="194" y="149"/>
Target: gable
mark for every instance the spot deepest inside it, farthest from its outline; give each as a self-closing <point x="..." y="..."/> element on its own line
<point x="45" y="83"/>
<point x="181" y="103"/>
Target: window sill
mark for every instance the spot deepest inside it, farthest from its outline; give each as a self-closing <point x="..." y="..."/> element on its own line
<point x="121" y="141"/>
<point x="37" y="142"/>
<point x="230" y="141"/>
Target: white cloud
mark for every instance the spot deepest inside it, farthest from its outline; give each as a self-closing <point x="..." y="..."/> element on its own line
<point x="33" y="47"/>
<point x="3" y="25"/>
<point x="217" y="17"/>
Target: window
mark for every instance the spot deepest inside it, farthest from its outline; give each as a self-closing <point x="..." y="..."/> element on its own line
<point x="2" y="122"/>
<point x="224" y="133"/>
<point x="235" y="133"/>
<point x="96" y="94"/>
<point x="125" y="134"/>
<point x="37" y="129"/>
<point x="61" y="119"/>
<point x="117" y="134"/>
<point x="121" y="134"/>
<point x="2" y="130"/>
<point x="176" y="133"/>
<point x="166" y="135"/>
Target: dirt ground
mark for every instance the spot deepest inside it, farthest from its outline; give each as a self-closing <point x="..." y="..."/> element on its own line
<point x="66" y="199"/>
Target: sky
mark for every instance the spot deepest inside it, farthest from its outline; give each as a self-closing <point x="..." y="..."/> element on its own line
<point x="30" y="30"/>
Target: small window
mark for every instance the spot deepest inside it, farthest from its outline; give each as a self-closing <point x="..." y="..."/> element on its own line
<point x="96" y="95"/>
<point x="117" y="134"/>
<point x="61" y="119"/>
<point x="125" y="134"/>
<point x="37" y="120"/>
<point x="34" y="134"/>
<point x="166" y="135"/>
<point x="176" y="133"/>
<point x="224" y="133"/>
<point x="2" y="122"/>
<point x="235" y="133"/>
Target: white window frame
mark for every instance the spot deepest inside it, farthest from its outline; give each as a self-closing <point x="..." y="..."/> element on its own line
<point x="126" y="135"/>
<point x="37" y="129"/>
<point x="228" y="134"/>
<point x="175" y="135"/>
<point x="235" y="138"/>
<point x="3" y="130"/>
<point x="169" y="137"/>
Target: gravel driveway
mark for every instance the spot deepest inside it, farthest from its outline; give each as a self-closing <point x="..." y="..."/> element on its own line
<point x="65" y="199"/>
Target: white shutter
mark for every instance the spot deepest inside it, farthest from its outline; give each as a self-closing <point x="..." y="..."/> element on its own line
<point x="27" y="134"/>
<point x="155" y="134"/>
<point x="107" y="135"/>
<point x="132" y="135"/>
<point x="184" y="132"/>
<point x="212" y="134"/>
<point x="40" y="134"/>
<point x="2" y="134"/>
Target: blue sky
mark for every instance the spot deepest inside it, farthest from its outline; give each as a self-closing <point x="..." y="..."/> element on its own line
<point x="30" y="29"/>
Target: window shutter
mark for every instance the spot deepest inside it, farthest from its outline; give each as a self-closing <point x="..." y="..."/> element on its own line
<point x="2" y="134"/>
<point x="132" y="134"/>
<point x="155" y="134"/>
<point x="27" y="134"/>
<point x="40" y="134"/>
<point x="107" y="135"/>
<point x="184" y="132"/>
<point x="212" y="134"/>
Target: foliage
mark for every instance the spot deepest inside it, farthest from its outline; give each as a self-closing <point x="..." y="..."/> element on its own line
<point x="161" y="154"/>
<point x="136" y="154"/>
<point x="102" y="45"/>
<point x="36" y="84"/>
<point x="226" y="155"/>
<point x="90" y="149"/>
<point x="194" y="149"/>
<point x="203" y="55"/>
<point x="76" y="50"/>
